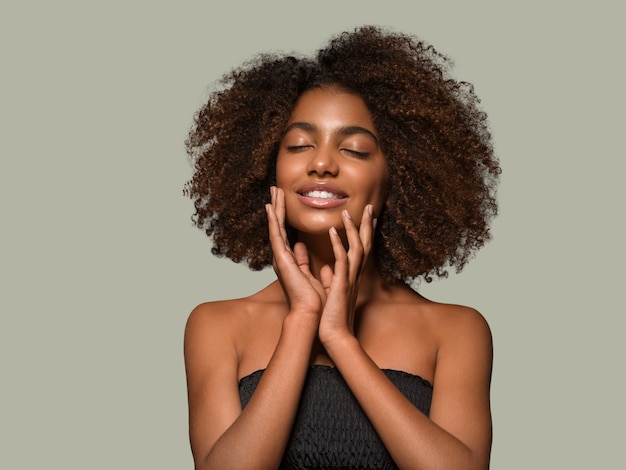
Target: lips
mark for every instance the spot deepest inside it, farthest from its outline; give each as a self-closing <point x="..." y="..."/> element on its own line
<point x="321" y="195"/>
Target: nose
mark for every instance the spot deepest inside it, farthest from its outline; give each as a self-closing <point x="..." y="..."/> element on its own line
<point x="323" y="162"/>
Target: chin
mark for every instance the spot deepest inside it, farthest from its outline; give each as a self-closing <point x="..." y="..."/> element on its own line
<point x="314" y="230"/>
<point x="317" y="227"/>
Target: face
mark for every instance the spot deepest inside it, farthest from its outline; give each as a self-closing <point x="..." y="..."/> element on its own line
<point x="329" y="161"/>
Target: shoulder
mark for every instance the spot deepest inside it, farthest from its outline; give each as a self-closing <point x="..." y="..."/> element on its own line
<point x="459" y="331"/>
<point x="454" y="322"/>
<point x="443" y="322"/>
<point x="456" y="333"/>
<point x="464" y="343"/>
<point x="463" y="366"/>
<point x="210" y="331"/>
<point x="227" y="313"/>
<point x="218" y="327"/>
<point x="222" y="315"/>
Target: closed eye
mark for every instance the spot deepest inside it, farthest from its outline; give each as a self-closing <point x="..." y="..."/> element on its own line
<point x="298" y="148"/>
<point x="358" y="154"/>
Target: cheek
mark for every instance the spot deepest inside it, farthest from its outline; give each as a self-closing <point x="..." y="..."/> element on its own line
<point x="284" y="171"/>
<point x="378" y="187"/>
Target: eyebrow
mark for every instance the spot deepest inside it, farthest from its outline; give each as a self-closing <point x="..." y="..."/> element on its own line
<point x="343" y="131"/>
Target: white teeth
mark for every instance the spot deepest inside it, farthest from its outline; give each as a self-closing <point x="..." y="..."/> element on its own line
<point x="321" y="195"/>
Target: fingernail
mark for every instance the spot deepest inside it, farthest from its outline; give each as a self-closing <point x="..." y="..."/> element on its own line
<point x="333" y="230"/>
<point x="347" y="214"/>
<point x="370" y="209"/>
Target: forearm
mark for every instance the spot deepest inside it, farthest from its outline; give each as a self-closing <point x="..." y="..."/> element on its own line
<point x="412" y="439"/>
<point x="257" y="438"/>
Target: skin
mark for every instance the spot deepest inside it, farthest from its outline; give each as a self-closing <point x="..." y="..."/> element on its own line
<point x="330" y="306"/>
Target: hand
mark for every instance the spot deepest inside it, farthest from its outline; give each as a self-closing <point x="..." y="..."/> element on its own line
<point x="341" y="284"/>
<point x="304" y="292"/>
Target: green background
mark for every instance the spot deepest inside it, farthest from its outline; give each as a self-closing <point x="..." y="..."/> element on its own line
<point x="100" y="264"/>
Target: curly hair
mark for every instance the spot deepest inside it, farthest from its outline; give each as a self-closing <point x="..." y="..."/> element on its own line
<point x="443" y="171"/>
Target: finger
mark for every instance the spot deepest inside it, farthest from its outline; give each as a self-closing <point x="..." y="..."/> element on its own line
<point x="366" y="230"/>
<point x="302" y="257"/>
<point x="278" y="212"/>
<point x="341" y="257"/>
<point x="284" y="261"/>
<point x="279" y="204"/>
<point x="277" y="242"/>
<point x="355" y="248"/>
<point x="326" y="276"/>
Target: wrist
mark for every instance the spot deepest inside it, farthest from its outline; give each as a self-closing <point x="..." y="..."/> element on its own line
<point x="339" y="342"/>
<point x="301" y="321"/>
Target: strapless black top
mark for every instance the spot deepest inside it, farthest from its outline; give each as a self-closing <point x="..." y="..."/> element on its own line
<point x="331" y="430"/>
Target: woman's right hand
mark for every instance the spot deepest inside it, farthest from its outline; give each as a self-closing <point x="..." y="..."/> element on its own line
<point x="304" y="292"/>
<point x="223" y="434"/>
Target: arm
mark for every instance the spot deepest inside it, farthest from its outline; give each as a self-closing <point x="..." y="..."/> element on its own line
<point x="458" y="433"/>
<point x="222" y="435"/>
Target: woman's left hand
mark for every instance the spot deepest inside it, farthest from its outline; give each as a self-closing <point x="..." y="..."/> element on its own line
<point x="341" y="283"/>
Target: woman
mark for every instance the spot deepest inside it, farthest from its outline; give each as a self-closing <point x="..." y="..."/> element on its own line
<point x="379" y="170"/>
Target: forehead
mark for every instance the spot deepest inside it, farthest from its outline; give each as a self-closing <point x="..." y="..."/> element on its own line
<point x="331" y="106"/>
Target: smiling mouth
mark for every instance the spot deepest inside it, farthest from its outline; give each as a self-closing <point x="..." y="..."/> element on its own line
<point x="317" y="194"/>
<point x="322" y="196"/>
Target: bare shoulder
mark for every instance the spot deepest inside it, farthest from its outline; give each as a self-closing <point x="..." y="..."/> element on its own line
<point x="225" y="318"/>
<point x="216" y="342"/>
<point x="224" y="331"/>
<point x="464" y="347"/>
<point x="443" y="322"/>
<point x="210" y="333"/>
<point x="214" y="318"/>
<point x="463" y="366"/>
<point x="219" y="314"/>
<point x="453" y="323"/>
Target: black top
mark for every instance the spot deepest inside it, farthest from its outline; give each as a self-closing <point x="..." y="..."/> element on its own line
<point x="331" y="430"/>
